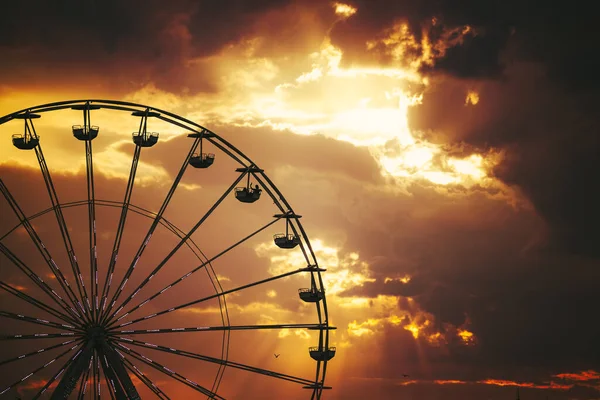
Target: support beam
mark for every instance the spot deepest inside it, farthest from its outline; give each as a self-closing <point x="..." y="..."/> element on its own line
<point x="71" y="377"/>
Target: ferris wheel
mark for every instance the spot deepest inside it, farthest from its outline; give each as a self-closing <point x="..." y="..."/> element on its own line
<point x="80" y="325"/>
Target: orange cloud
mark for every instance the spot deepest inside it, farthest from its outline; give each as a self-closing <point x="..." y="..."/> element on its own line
<point x="344" y="10"/>
<point x="589" y="375"/>
<point x="550" y="385"/>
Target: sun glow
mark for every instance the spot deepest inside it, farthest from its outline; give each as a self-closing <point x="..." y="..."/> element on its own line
<point x="372" y="111"/>
<point x="344" y="271"/>
<point x="367" y="105"/>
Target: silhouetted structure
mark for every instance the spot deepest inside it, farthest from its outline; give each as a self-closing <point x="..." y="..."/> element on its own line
<point x="97" y="339"/>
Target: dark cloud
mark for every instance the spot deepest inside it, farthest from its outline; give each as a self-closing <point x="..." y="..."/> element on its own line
<point x="560" y="38"/>
<point x="484" y="265"/>
<point x="122" y="44"/>
<point x="550" y="139"/>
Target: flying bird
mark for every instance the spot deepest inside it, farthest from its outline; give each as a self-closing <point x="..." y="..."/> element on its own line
<point x="405" y="376"/>
<point x="276" y="355"/>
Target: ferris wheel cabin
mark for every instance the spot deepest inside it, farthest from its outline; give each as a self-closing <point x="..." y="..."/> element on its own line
<point x="145" y="139"/>
<point x="311" y="295"/>
<point x="202" y="160"/>
<point x="284" y="241"/>
<point x="25" y="143"/>
<point x="28" y="140"/>
<point x="321" y="354"/>
<point x="85" y="132"/>
<point x="247" y="195"/>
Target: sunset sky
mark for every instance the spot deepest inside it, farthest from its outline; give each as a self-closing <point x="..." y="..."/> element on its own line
<point x="443" y="155"/>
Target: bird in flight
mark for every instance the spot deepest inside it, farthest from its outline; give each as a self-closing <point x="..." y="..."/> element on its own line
<point x="405" y="376"/>
<point x="276" y="355"/>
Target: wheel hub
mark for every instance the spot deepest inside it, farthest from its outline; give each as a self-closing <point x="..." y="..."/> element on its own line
<point x="96" y="334"/>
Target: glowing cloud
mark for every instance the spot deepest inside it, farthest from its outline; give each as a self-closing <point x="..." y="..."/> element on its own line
<point x="344" y="271"/>
<point x="344" y="10"/>
<point x="467" y="337"/>
<point x="472" y="98"/>
<point x="582" y="376"/>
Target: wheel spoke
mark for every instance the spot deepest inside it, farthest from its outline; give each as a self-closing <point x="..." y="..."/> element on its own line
<point x="216" y="295"/>
<point x="38" y="336"/>
<point x="155" y="223"/>
<point x="207" y="262"/>
<point x="219" y="328"/>
<point x="34" y="302"/>
<point x="39" y="282"/>
<point x="33" y="353"/>
<point x="55" y="377"/>
<point x="35" y="371"/>
<point x="121" y="226"/>
<point x="62" y="280"/>
<point x="169" y="372"/>
<point x="214" y="360"/>
<point x="63" y="229"/>
<point x="181" y="242"/>
<point x="38" y="321"/>
<point x="142" y="377"/>
<point x="91" y="196"/>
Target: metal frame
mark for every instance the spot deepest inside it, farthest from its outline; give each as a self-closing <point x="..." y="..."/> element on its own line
<point x="95" y="325"/>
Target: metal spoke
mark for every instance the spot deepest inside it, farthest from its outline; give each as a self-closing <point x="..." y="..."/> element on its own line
<point x="178" y="246"/>
<point x="33" y="353"/>
<point x="121" y="226"/>
<point x="34" y="302"/>
<point x="142" y="377"/>
<point x="37" y="336"/>
<point x="29" y="128"/>
<point x="39" y="282"/>
<point x="155" y="223"/>
<point x="219" y="328"/>
<point x="37" y="370"/>
<point x="89" y="167"/>
<point x="63" y="229"/>
<point x="214" y="360"/>
<point x="216" y="295"/>
<point x="55" y="377"/>
<point x="62" y="280"/>
<point x="39" y="321"/>
<point x="207" y="262"/>
<point x="169" y="372"/>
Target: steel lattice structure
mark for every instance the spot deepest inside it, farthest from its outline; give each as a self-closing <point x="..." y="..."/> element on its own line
<point x="93" y="319"/>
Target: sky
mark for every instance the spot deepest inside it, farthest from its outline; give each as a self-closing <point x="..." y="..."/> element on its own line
<point x="443" y="157"/>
